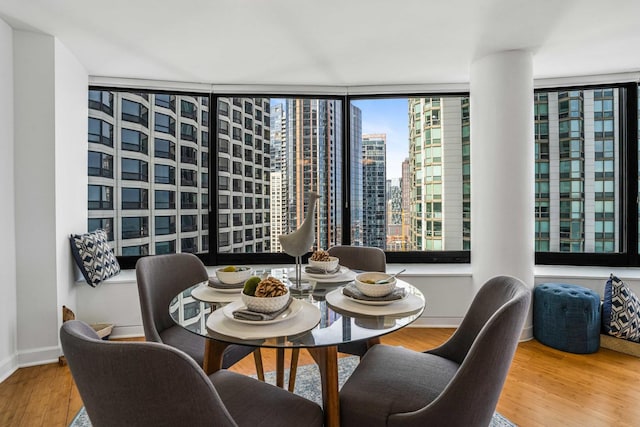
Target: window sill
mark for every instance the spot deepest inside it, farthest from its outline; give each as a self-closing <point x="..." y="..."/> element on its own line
<point x="542" y="272"/>
<point x="585" y="272"/>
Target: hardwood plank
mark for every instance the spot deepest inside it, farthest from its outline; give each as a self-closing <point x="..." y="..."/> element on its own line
<point x="15" y="395"/>
<point x="36" y="411"/>
<point x="545" y="387"/>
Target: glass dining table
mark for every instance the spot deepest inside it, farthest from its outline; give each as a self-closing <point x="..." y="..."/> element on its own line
<point x="319" y="319"/>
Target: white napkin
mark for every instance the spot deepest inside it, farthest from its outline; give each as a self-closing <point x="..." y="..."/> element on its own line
<point x="246" y="314"/>
<point x="316" y="270"/>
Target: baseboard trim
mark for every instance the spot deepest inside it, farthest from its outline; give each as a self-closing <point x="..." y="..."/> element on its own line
<point x="527" y="333"/>
<point x="38" y="356"/>
<point x="437" y="322"/>
<point x="8" y="366"/>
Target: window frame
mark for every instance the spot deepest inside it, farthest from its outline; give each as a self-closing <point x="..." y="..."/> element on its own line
<point x="459" y="257"/>
<point x="628" y="186"/>
<point x="628" y="127"/>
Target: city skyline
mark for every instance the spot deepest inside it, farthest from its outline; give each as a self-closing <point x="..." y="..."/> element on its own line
<point x="148" y="168"/>
<point x="389" y="116"/>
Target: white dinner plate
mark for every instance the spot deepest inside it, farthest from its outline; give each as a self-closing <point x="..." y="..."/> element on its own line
<point x="215" y="284"/>
<point x="342" y="270"/>
<point x="365" y="302"/>
<point x="293" y="309"/>
<point x="345" y="275"/>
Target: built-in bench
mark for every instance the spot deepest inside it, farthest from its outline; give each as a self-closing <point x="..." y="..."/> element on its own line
<point x="620" y="345"/>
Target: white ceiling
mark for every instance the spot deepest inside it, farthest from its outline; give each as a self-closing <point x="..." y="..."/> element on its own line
<point x="333" y="42"/>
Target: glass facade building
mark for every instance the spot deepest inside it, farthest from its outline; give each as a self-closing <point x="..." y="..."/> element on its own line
<point x="577" y="171"/>
<point x="374" y="183"/>
<point x="435" y="173"/>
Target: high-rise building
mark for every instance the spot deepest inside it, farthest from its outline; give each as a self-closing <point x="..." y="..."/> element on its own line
<point x="435" y="150"/>
<point x="395" y="239"/>
<point x="244" y="167"/>
<point x="374" y="163"/>
<point x="576" y="168"/>
<point x="278" y="210"/>
<point x="405" y="183"/>
<point x="313" y="142"/>
<point x="149" y="171"/>
<point x="279" y="191"/>
<point x="355" y="166"/>
<point x="466" y="175"/>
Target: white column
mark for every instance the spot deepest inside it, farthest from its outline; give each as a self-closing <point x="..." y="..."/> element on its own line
<point x="502" y="169"/>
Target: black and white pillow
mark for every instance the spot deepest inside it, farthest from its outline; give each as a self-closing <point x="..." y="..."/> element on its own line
<point x="621" y="310"/>
<point x="94" y="256"/>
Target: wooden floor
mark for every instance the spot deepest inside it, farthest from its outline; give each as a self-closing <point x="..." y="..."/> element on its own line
<point x="545" y="387"/>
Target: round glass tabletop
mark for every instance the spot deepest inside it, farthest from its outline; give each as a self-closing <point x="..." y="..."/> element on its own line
<point x="321" y="317"/>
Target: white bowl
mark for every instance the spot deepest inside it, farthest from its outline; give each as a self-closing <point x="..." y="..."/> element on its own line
<point x="330" y="265"/>
<point x="241" y="274"/>
<point x="265" y="304"/>
<point x="377" y="289"/>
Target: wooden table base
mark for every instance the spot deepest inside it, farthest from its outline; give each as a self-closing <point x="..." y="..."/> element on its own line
<point x="327" y="360"/>
<point x="325" y="357"/>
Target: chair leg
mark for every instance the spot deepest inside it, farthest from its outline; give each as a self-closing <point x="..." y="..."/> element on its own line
<point x="294" y="368"/>
<point x="257" y="357"/>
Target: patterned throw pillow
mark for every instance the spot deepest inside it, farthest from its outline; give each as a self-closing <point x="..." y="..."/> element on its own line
<point x="94" y="256"/>
<point x="621" y="310"/>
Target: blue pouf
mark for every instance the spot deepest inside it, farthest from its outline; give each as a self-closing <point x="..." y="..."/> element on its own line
<point x="567" y="317"/>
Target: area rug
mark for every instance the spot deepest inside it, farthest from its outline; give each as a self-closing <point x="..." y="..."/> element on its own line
<point x="307" y="385"/>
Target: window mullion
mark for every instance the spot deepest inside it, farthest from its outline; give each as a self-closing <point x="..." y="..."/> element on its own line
<point x="629" y="136"/>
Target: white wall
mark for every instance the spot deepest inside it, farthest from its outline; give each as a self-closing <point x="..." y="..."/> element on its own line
<point x="448" y="290"/>
<point x="50" y="187"/>
<point x="71" y="146"/>
<point x="8" y="299"/>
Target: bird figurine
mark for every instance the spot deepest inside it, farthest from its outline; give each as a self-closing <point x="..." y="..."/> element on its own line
<point x="298" y="242"/>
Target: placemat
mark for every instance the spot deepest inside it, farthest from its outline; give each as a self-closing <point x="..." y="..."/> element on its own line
<point x="305" y="320"/>
<point x="407" y="305"/>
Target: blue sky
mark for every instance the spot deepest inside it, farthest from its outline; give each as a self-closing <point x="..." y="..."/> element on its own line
<point x="388" y="116"/>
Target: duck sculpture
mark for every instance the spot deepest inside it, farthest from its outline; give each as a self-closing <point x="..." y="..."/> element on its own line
<point x="299" y="242"/>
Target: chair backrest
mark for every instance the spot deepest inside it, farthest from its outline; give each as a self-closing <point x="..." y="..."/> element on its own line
<point x="365" y="258"/>
<point x="139" y="383"/>
<point x="160" y="278"/>
<point x="484" y="346"/>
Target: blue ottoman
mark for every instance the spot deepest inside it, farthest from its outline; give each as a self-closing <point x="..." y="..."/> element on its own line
<point x="566" y="317"/>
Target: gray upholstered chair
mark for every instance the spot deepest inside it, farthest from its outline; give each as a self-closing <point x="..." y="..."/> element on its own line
<point x="363" y="258"/>
<point x="162" y="277"/>
<point x="455" y="384"/>
<point x="152" y="384"/>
